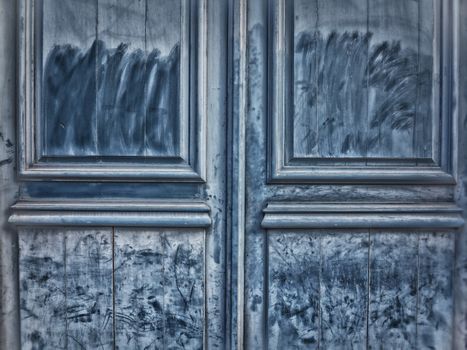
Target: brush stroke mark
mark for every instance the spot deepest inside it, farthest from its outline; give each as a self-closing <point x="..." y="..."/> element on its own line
<point x="130" y="96"/>
<point x="333" y="73"/>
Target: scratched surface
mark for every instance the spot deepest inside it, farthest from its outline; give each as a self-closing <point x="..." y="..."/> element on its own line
<point x="66" y="289"/>
<point x="159" y="295"/>
<point x="110" y="80"/>
<point x="357" y="290"/>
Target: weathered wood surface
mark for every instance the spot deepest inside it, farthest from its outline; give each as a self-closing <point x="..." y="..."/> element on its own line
<point x="66" y="289"/>
<point x="159" y="289"/>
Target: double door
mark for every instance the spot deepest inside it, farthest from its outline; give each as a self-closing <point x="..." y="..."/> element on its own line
<point x="244" y="174"/>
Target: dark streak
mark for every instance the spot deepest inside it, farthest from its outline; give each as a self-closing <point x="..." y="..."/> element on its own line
<point x="133" y="87"/>
<point x="340" y="68"/>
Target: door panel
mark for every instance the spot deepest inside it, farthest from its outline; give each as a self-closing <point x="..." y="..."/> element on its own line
<point x="344" y="118"/>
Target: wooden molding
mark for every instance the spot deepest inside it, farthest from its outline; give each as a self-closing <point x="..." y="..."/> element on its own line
<point x="305" y="215"/>
<point x="174" y="214"/>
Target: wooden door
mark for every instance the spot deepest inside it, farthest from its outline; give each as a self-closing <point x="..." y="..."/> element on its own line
<point x="122" y="220"/>
<point x="261" y="174"/>
<point x="350" y="221"/>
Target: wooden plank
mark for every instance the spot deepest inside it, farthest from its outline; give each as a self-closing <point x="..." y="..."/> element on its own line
<point x="139" y="289"/>
<point x="294" y="291"/>
<point x="89" y="289"/>
<point x="68" y="97"/>
<point x="42" y="289"/>
<point x="435" y="297"/>
<point x="342" y="93"/>
<point x="393" y="68"/>
<point x="344" y="290"/>
<point x="121" y="77"/>
<point x="393" y="290"/>
<point x="163" y="88"/>
<point x="423" y="122"/>
<point x="183" y="289"/>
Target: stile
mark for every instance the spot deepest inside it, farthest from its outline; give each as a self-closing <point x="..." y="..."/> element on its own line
<point x="435" y="310"/>
<point x="294" y="290"/>
<point x="344" y="290"/>
<point x="42" y="289"/>
<point x="89" y="289"/>
<point x="393" y="290"/>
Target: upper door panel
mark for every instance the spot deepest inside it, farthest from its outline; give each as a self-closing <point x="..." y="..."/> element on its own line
<point x="355" y="92"/>
<point x="113" y="84"/>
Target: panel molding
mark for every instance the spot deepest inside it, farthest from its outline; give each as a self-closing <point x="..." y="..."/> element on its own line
<point x="189" y="166"/>
<point x="284" y="168"/>
<point x="306" y="215"/>
<point x="160" y="214"/>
